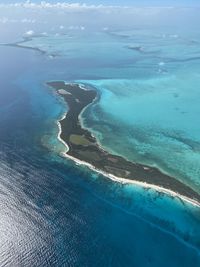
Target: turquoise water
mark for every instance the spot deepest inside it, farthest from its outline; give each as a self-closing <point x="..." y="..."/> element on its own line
<point x="149" y="108"/>
<point x="55" y="213"/>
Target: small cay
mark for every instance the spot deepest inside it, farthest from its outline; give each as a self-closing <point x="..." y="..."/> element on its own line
<point x="84" y="147"/>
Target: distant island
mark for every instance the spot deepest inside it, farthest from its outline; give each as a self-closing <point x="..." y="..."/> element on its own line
<point x="83" y="148"/>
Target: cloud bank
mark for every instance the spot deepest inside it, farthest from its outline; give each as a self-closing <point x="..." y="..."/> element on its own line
<point x="65" y="5"/>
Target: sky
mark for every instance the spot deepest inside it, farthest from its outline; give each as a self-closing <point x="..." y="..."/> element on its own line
<point x="121" y="2"/>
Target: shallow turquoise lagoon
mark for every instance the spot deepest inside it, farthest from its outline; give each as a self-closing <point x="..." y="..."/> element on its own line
<point x="149" y="85"/>
<point x="148" y="112"/>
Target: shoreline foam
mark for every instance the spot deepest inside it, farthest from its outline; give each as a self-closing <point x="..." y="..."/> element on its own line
<point x="121" y="179"/>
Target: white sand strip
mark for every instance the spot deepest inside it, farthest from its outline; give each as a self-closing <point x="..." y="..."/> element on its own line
<point x="121" y="179"/>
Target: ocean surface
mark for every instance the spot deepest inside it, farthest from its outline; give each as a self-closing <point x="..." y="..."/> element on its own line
<point x="55" y="213"/>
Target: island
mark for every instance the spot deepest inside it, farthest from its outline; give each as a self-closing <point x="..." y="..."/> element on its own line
<point x="84" y="148"/>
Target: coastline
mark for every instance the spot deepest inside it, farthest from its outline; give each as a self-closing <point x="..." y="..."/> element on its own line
<point x="60" y="132"/>
<point x="121" y="179"/>
<point x="117" y="178"/>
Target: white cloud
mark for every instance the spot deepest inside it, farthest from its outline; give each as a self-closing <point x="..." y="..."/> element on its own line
<point x="25" y="20"/>
<point x="78" y="7"/>
<point x="7" y="20"/>
<point x="65" y="5"/>
<point x="82" y="28"/>
<point x="29" y="33"/>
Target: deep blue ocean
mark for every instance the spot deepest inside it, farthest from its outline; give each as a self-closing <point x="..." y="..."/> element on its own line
<point x="55" y="213"/>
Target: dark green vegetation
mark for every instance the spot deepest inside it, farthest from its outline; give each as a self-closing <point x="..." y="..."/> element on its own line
<point x="83" y="146"/>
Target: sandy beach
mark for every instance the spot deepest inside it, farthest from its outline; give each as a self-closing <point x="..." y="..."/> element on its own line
<point x="121" y="179"/>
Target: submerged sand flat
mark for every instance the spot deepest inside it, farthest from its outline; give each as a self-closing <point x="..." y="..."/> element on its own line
<point x="84" y="148"/>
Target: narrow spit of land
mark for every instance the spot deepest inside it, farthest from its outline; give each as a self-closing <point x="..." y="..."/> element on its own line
<point x="83" y="146"/>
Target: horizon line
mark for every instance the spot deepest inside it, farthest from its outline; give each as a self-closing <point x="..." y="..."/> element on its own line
<point x="46" y="4"/>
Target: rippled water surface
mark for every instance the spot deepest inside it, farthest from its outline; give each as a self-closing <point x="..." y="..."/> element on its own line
<point x="55" y="213"/>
